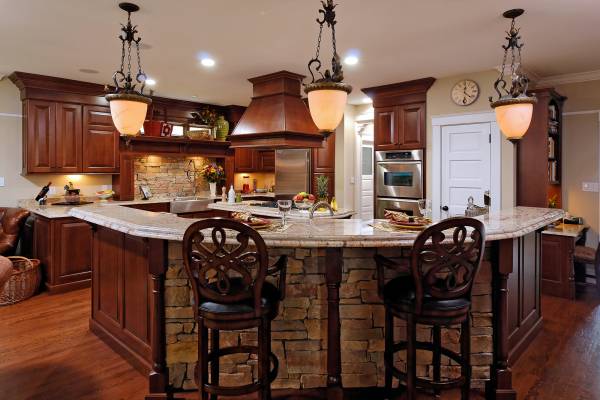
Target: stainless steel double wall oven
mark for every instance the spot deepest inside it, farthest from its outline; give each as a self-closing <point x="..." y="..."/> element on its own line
<point x="399" y="181"/>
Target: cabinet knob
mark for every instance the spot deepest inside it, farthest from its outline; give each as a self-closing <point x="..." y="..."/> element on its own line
<point x="445" y="208"/>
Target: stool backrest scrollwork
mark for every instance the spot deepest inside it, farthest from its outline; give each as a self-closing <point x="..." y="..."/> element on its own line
<point x="226" y="261"/>
<point x="445" y="259"/>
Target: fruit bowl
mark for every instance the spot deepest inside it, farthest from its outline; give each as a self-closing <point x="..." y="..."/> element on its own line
<point x="304" y="205"/>
<point x="105" y="194"/>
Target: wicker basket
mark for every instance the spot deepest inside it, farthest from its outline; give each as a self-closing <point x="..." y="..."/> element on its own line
<point x="24" y="281"/>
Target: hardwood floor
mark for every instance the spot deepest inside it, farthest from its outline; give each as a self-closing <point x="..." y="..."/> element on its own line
<point x="47" y="352"/>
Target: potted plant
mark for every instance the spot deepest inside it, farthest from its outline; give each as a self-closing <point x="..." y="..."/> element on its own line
<point x="213" y="174"/>
<point x="71" y="194"/>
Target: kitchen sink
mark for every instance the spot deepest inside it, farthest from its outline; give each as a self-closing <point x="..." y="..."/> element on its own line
<point x="189" y="204"/>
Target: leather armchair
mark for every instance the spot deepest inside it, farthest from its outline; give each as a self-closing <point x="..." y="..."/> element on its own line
<point x="11" y="220"/>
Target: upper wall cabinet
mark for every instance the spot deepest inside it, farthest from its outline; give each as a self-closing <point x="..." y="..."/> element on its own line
<point x="400" y="114"/>
<point x="67" y="127"/>
<point x="100" y="140"/>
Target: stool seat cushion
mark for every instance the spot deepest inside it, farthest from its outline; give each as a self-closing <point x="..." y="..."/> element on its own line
<point x="270" y="301"/>
<point x="585" y="254"/>
<point x="399" y="293"/>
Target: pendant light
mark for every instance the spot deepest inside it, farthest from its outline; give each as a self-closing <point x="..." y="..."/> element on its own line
<point x="128" y="106"/>
<point x="514" y="108"/>
<point x="327" y="95"/>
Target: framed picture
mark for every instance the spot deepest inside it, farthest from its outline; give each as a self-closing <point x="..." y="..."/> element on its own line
<point x="146" y="193"/>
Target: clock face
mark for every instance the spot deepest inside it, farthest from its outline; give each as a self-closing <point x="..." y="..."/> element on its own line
<point x="465" y="92"/>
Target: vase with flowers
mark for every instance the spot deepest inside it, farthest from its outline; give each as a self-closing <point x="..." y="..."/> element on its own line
<point x="213" y="174"/>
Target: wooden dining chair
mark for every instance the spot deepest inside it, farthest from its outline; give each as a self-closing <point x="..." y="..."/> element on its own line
<point x="588" y="255"/>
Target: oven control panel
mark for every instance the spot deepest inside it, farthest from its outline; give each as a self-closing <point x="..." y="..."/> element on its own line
<point x="407" y="155"/>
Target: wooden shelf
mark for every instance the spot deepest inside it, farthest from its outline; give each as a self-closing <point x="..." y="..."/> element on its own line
<point x="175" y="145"/>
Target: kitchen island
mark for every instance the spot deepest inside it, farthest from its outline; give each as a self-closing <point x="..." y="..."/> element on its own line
<point x="329" y="333"/>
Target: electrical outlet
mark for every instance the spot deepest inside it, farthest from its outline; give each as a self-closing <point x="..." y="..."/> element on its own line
<point x="52" y="190"/>
<point x="589" y="186"/>
<point x="352" y="180"/>
<point x="1" y="181"/>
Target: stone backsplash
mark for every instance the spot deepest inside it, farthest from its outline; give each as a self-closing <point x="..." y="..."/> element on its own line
<point x="166" y="175"/>
<point x="299" y="334"/>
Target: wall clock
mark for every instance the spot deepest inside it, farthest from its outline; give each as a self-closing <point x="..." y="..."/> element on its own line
<point x="465" y="92"/>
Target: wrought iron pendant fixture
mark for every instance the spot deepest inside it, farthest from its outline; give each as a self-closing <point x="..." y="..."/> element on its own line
<point x="128" y="106"/>
<point x="514" y="107"/>
<point x="327" y="94"/>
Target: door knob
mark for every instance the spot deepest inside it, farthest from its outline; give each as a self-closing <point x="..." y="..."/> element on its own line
<point x="445" y="208"/>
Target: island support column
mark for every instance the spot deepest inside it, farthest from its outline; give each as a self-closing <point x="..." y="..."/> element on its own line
<point x="334" y="264"/>
<point x="500" y="385"/>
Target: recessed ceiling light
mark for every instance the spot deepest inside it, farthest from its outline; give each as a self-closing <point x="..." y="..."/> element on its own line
<point x="194" y="97"/>
<point x="88" y="71"/>
<point x="207" y="62"/>
<point x="351" y="60"/>
<point x="150" y="82"/>
<point x="367" y="100"/>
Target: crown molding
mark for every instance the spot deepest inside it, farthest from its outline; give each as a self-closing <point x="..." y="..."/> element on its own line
<point x="569" y="78"/>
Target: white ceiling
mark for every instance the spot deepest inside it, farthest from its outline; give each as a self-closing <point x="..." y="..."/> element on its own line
<point x="398" y="40"/>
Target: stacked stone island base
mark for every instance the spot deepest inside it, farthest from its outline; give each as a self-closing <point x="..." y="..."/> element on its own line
<point x="300" y="331"/>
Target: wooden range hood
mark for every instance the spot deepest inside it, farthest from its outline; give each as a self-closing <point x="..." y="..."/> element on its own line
<point x="277" y="117"/>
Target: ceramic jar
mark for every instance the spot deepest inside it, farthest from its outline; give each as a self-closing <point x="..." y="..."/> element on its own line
<point x="222" y="128"/>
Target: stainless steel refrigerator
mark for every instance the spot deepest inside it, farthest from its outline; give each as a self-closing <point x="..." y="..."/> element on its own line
<point x="292" y="171"/>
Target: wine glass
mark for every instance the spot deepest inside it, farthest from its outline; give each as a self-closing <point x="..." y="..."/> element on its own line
<point x="284" y="207"/>
<point x="425" y="207"/>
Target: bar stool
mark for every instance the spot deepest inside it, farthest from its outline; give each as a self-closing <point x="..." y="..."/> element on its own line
<point x="227" y="263"/>
<point x="434" y="288"/>
<point x="588" y="255"/>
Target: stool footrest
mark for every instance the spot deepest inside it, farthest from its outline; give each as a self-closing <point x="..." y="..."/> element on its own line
<point x="242" y="389"/>
<point x="428" y="383"/>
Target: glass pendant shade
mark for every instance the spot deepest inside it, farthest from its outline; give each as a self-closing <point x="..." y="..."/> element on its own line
<point x="327" y="108"/>
<point x="514" y="119"/>
<point x="128" y="113"/>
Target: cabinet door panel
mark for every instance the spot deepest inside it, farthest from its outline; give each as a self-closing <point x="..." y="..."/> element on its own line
<point x="68" y="137"/>
<point x="245" y="160"/>
<point x="41" y="136"/>
<point x="323" y="158"/>
<point x="557" y="266"/>
<point x="100" y="141"/>
<point x="266" y="160"/>
<point x="74" y="252"/>
<point x="136" y="289"/>
<point x="108" y="266"/>
<point x="411" y="121"/>
<point x="386" y="135"/>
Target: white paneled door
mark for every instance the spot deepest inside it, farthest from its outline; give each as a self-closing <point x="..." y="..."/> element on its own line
<point x="466" y="153"/>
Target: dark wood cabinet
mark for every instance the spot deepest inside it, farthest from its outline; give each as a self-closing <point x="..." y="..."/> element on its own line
<point x="524" y="317"/>
<point x="39" y="136"/>
<point x="253" y="160"/>
<point x="266" y="160"/>
<point x="245" y="160"/>
<point x="100" y="141"/>
<point x="557" y="266"/>
<point x="385" y="133"/>
<point x="122" y="302"/>
<point x="64" y="247"/>
<point x="399" y="116"/>
<point x="539" y="164"/>
<point x="68" y="137"/>
<point x="411" y="126"/>
<point x="400" y="127"/>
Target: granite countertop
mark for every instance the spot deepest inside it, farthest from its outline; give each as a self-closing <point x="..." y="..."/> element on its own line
<point x="570" y="230"/>
<point x="274" y="212"/>
<point x="322" y="232"/>
<point x="51" y="211"/>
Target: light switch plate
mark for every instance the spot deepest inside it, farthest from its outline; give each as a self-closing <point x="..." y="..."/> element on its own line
<point x="589" y="186"/>
<point x="1" y="181"/>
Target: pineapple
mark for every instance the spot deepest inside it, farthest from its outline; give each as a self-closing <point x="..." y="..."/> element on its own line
<point x="322" y="184"/>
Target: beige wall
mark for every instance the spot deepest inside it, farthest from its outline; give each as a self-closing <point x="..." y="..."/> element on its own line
<point x="440" y="103"/>
<point x="581" y="158"/>
<point x="17" y="186"/>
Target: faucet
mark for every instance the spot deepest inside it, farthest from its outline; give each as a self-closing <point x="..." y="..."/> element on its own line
<point x="192" y="175"/>
<point x="317" y="205"/>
